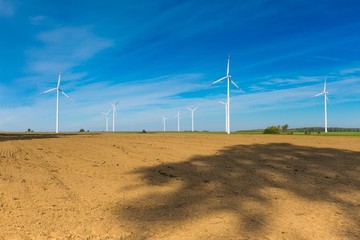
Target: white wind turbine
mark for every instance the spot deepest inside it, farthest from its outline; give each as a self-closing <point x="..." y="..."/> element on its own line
<point x="114" y="113"/>
<point x="178" y="117"/>
<point x="107" y="119"/>
<point x="57" y="89"/>
<point x="224" y="103"/>
<point x="164" y="122"/>
<point x="228" y="77"/>
<point x="325" y="101"/>
<point x="192" y="117"/>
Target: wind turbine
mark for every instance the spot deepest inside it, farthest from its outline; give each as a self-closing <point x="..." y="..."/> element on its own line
<point x="178" y="117"/>
<point x="325" y="100"/>
<point x="107" y="119"/>
<point x="192" y="117"/>
<point x="57" y="89"/>
<point x="228" y="77"/>
<point x="224" y="103"/>
<point x="114" y="113"/>
<point x="164" y="122"/>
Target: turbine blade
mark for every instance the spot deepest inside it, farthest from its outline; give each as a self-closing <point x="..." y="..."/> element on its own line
<point x="50" y="90"/>
<point x="319" y="94"/>
<point x="195" y="109"/>
<point x="325" y="84"/>
<point x="59" y="79"/>
<point x="65" y="94"/>
<point x="235" y="84"/>
<point x="228" y="66"/>
<point x="327" y="99"/>
<point x="219" y="80"/>
<point x="222" y="102"/>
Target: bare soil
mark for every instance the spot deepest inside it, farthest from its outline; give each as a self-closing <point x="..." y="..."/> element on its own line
<point x="179" y="186"/>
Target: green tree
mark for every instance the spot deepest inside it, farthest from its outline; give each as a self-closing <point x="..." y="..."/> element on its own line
<point x="272" y="130"/>
<point x="285" y="128"/>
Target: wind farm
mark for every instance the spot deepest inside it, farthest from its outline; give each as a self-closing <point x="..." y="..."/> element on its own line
<point x="187" y="120"/>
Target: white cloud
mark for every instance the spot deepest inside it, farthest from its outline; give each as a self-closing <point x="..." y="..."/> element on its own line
<point x="64" y="48"/>
<point x="143" y="102"/>
<point x="271" y="82"/>
<point x="350" y="70"/>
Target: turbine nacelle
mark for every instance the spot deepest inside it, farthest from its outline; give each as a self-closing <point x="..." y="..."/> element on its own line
<point x="192" y="110"/>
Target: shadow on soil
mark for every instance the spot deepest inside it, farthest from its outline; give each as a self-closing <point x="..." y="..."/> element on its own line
<point x="30" y="136"/>
<point x="235" y="180"/>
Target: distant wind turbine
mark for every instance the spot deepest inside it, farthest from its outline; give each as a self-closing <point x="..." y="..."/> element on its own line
<point x="228" y="77"/>
<point x="192" y="117"/>
<point x="57" y="89"/>
<point x="114" y="113"/>
<point x="224" y="103"/>
<point x="164" y="122"/>
<point x="107" y="119"/>
<point x="325" y="101"/>
<point x="178" y="117"/>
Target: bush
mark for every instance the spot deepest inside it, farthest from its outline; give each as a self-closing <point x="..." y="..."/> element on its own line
<point x="272" y="130"/>
<point x="81" y="130"/>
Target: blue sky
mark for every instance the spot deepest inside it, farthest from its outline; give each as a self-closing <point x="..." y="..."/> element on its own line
<point x="160" y="56"/>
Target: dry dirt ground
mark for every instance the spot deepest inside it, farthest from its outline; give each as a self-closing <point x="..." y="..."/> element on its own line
<point x="179" y="186"/>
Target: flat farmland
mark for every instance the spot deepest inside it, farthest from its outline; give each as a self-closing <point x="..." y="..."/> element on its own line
<point x="179" y="186"/>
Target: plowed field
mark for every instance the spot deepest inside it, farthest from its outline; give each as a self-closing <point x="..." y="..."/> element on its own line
<point x="179" y="186"/>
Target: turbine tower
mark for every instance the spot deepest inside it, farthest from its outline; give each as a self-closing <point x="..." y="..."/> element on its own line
<point x="192" y="117"/>
<point x="228" y="77"/>
<point x="57" y="89"/>
<point x="224" y="103"/>
<point x="325" y="100"/>
<point x="164" y="122"/>
<point x="114" y="113"/>
<point x="178" y="117"/>
<point x="107" y="119"/>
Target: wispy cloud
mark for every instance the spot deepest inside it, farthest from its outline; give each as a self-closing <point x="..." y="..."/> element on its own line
<point x="350" y="70"/>
<point x="322" y="58"/>
<point x="64" y="48"/>
<point x="341" y="90"/>
<point x="270" y="82"/>
<point x="6" y="9"/>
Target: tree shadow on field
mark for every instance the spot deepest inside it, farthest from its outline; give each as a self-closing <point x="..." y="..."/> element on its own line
<point x="236" y="180"/>
<point x="30" y="136"/>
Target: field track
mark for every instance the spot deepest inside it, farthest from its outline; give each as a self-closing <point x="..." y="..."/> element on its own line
<point x="179" y="186"/>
